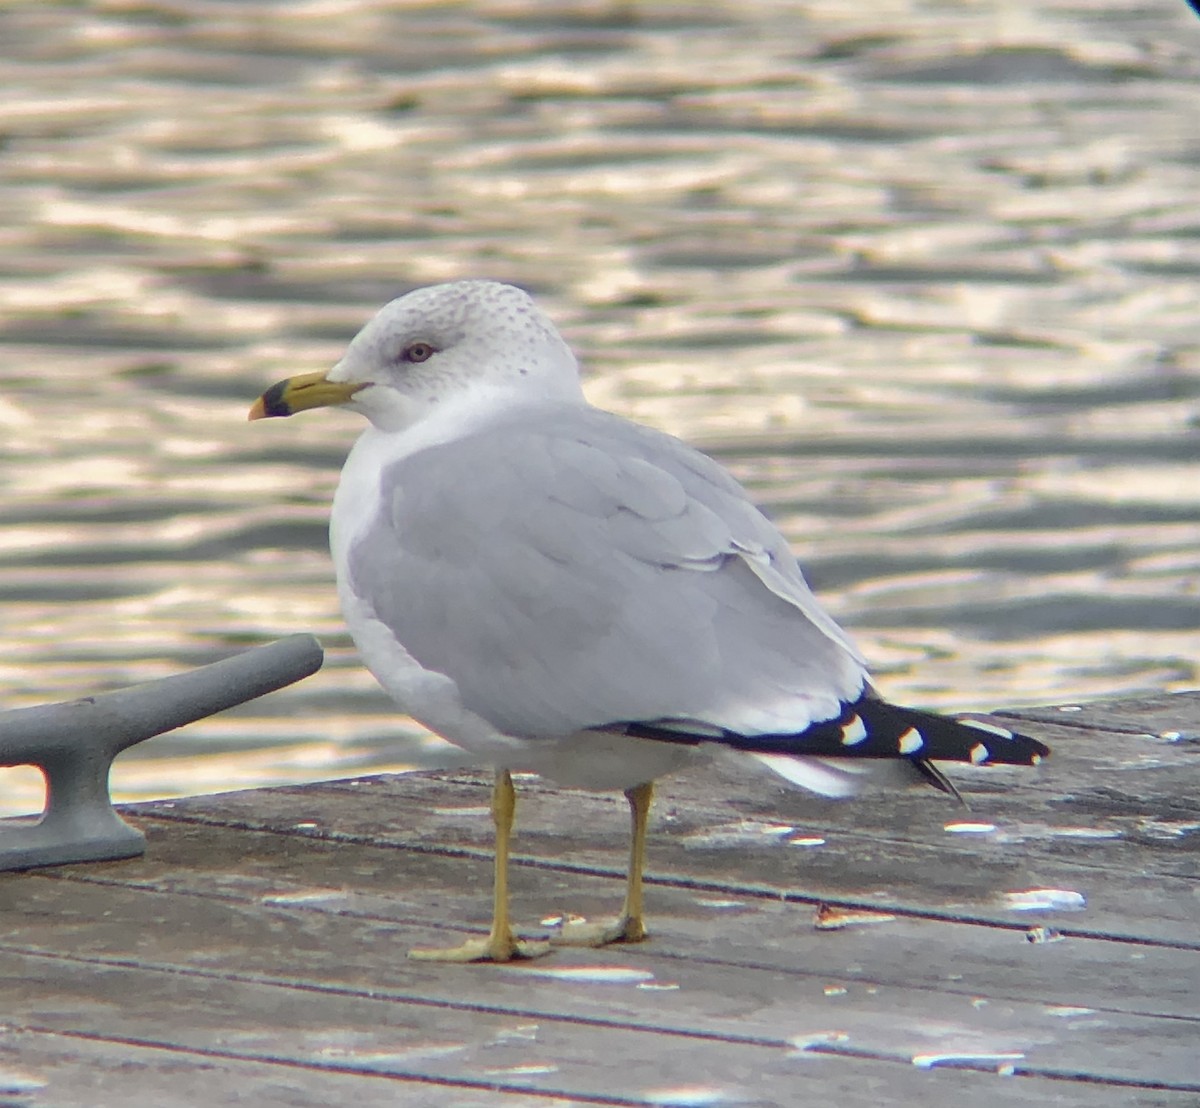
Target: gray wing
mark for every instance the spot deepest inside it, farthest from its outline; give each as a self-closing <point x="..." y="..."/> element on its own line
<point x="568" y="569"/>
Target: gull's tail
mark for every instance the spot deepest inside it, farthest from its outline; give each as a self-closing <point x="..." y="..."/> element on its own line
<point x="819" y="757"/>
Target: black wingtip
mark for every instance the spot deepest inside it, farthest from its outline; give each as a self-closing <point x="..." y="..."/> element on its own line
<point x="1008" y="747"/>
<point x="872" y="728"/>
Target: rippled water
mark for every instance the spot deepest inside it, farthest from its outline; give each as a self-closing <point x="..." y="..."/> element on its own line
<point x="924" y="274"/>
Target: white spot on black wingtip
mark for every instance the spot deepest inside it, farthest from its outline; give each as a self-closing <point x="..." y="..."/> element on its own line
<point x="1035" y="759"/>
<point x="853" y="732"/>
<point x="911" y="741"/>
<point x="979" y="754"/>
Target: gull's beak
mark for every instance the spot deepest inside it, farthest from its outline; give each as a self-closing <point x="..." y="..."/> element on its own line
<point x="309" y="390"/>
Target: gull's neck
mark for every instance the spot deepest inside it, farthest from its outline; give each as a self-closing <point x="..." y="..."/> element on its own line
<point x="454" y="417"/>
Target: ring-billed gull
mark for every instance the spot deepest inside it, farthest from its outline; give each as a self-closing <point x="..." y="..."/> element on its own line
<point x="556" y="589"/>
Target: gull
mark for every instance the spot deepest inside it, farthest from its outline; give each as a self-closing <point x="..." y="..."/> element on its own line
<point x="558" y="590"/>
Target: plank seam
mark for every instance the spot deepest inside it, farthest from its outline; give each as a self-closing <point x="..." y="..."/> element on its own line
<point x="399" y="1076"/>
<point x="850" y="835"/>
<point x="681" y="881"/>
<point x="690" y="958"/>
<point x="392" y="996"/>
<point x="459" y="926"/>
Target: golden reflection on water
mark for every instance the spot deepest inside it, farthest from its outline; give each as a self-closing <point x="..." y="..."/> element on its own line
<point x="925" y="279"/>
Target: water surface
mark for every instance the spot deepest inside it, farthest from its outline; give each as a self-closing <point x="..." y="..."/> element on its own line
<point x="924" y="275"/>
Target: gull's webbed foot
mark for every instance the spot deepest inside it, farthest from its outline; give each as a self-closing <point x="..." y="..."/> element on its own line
<point x="495" y="948"/>
<point x="627" y="929"/>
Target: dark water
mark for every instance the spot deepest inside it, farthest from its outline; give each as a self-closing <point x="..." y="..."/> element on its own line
<point x="925" y="275"/>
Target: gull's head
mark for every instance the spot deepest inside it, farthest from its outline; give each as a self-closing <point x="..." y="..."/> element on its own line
<point x="435" y="346"/>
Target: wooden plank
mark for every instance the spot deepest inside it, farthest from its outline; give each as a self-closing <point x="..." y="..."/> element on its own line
<point x="306" y="1032"/>
<point x="746" y="983"/>
<point x="64" y="1069"/>
<point x="267" y="929"/>
<point x="949" y="959"/>
<point x="1174" y="718"/>
<point x="1102" y="800"/>
<point x="431" y="890"/>
<point x="1137" y="889"/>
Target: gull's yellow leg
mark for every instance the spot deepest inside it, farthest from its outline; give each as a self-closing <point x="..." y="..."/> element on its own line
<point x="631" y="926"/>
<point x="632" y="916"/>
<point x="500" y="945"/>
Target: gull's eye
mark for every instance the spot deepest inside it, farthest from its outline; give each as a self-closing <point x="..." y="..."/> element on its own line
<point x="417" y="352"/>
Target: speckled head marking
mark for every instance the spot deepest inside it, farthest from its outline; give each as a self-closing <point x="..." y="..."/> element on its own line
<point x="449" y="339"/>
<point x="460" y="342"/>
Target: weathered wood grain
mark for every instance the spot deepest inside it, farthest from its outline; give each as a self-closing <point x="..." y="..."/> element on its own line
<point x="53" y="1068"/>
<point x="261" y="940"/>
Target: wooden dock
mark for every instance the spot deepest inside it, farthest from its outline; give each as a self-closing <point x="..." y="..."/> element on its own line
<point x="255" y="954"/>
